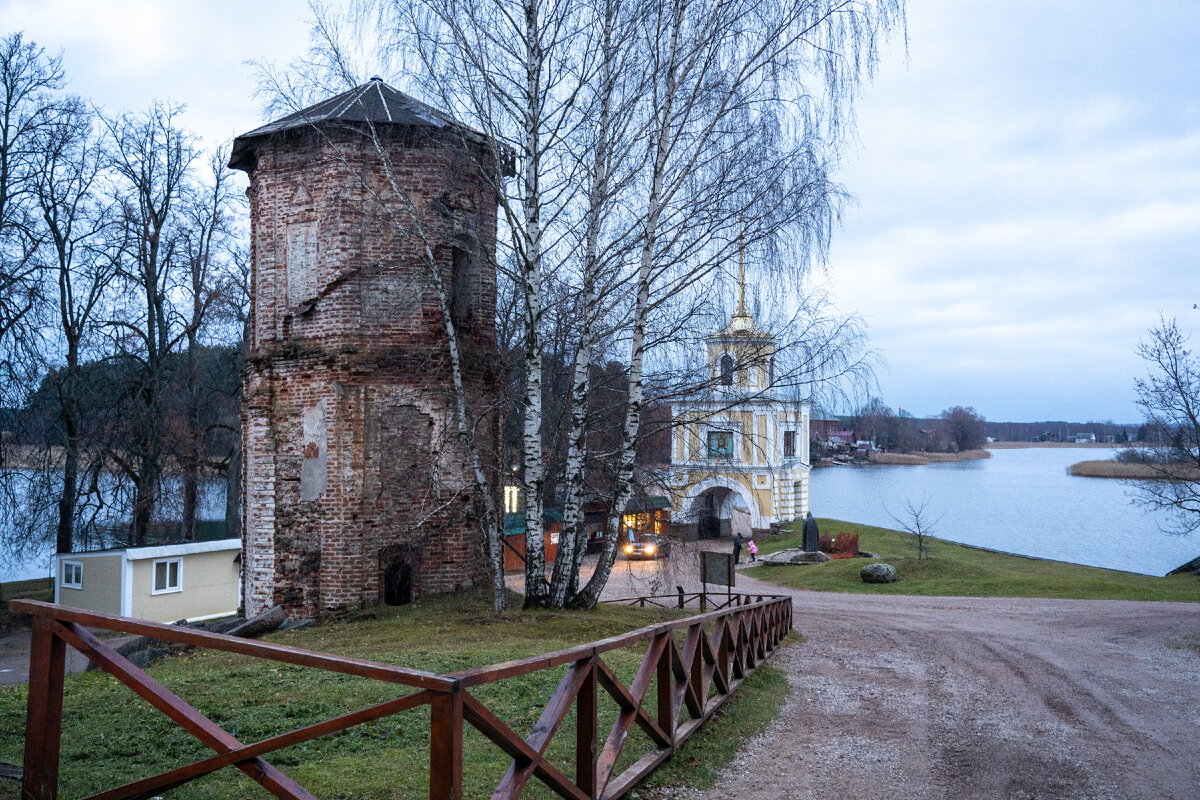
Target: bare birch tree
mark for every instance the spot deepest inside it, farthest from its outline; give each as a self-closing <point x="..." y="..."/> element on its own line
<point x="724" y="144"/>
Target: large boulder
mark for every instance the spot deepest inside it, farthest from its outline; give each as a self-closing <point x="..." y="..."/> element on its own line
<point x="878" y="573"/>
<point x="795" y="556"/>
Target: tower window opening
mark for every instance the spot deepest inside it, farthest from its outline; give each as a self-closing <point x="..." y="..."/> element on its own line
<point x="727" y="370"/>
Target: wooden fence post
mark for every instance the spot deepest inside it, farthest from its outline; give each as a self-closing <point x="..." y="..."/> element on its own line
<point x="666" y="689"/>
<point x="587" y="720"/>
<point x="43" y="713"/>
<point x="445" y="746"/>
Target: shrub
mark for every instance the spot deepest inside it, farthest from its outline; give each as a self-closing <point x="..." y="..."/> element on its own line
<point x="839" y="545"/>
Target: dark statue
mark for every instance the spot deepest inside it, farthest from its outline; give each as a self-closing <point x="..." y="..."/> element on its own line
<point x="812" y="538"/>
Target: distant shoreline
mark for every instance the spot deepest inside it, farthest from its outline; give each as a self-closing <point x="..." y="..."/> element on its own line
<point x="1023" y="445"/>
<point x="920" y="459"/>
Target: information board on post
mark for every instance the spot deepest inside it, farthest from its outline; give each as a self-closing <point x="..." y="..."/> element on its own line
<point x="717" y="568"/>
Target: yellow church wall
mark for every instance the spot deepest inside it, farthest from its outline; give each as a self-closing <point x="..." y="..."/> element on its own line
<point x="694" y="438"/>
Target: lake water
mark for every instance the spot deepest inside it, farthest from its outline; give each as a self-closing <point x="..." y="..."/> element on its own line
<point x="1019" y="501"/>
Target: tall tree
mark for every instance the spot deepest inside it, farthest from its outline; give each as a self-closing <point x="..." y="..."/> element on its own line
<point x="151" y="158"/>
<point x="1169" y="396"/>
<point x="76" y="256"/>
<point x="28" y="81"/>
<point x="963" y="428"/>
<point x="209" y="281"/>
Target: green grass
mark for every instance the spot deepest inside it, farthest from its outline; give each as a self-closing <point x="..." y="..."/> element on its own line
<point x="699" y="762"/>
<point x="957" y="570"/>
<point x="36" y="589"/>
<point x="110" y="737"/>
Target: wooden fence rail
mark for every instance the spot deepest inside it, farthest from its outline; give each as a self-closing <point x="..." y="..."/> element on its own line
<point x="690" y="680"/>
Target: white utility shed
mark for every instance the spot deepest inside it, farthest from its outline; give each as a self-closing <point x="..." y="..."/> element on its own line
<point x="192" y="581"/>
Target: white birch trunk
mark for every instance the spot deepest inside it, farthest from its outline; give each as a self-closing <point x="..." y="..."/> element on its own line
<point x="590" y="594"/>
<point x="535" y="543"/>
<point x="573" y="541"/>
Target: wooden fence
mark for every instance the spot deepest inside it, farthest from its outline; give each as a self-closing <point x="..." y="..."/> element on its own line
<point x="719" y="649"/>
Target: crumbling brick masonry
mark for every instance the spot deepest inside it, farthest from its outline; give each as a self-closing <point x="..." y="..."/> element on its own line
<point x="357" y="489"/>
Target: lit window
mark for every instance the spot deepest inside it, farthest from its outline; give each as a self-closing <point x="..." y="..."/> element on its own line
<point x="512" y="499"/>
<point x="166" y="575"/>
<point x="720" y="444"/>
<point x="72" y="574"/>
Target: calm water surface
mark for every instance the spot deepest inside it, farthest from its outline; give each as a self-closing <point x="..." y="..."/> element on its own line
<point x="1020" y="501"/>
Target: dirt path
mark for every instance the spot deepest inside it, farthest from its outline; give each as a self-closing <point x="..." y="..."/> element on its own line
<point x="911" y="697"/>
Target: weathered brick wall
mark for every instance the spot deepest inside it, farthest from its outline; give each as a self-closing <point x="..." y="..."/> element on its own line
<point x="353" y="463"/>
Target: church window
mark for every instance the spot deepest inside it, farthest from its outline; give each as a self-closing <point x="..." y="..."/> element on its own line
<point x="789" y="443"/>
<point x="727" y="370"/>
<point x="720" y="444"/>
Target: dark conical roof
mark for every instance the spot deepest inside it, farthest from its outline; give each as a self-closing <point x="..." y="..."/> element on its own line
<point x="373" y="102"/>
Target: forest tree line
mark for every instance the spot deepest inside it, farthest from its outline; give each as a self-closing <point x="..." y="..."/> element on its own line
<point x="122" y="305"/>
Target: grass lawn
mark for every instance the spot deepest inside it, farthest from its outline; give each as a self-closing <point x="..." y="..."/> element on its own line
<point x="957" y="570"/>
<point x="110" y="737"/>
<point x="36" y="589"/>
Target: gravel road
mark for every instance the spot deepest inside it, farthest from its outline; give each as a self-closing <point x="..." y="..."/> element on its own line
<point x="949" y="697"/>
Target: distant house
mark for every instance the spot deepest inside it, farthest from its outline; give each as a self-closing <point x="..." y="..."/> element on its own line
<point x="1082" y="438"/>
<point x="841" y="440"/>
<point x="192" y="581"/>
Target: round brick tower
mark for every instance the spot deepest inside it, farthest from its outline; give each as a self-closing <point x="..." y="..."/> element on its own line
<point x="356" y="486"/>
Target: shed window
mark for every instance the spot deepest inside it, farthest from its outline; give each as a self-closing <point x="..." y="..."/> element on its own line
<point x="72" y="574"/>
<point x="166" y="575"/>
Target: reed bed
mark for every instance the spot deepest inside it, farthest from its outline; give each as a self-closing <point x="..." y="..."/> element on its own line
<point x="917" y="459"/>
<point x="1129" y="471"/>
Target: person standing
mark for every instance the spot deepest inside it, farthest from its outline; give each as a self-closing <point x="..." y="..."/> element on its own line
<point x="753" y="549"/>
<point x="737" y="548"/>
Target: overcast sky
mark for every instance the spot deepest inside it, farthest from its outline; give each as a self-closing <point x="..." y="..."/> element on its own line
<point x="1028" y="179"/>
